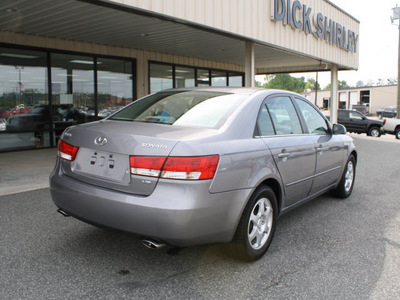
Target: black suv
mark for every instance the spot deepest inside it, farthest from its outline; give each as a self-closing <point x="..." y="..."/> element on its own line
<point x="355" y="121"/>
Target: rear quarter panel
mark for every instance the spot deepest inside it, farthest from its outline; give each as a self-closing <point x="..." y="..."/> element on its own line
<point x="391" y="124"/>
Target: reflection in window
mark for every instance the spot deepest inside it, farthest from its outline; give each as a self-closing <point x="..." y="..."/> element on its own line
<point x="23" y="86"/>
<point x="284" y="116"/>
<point x="161" y="77"/>
<point x="315" y="122"/>
<point x="72" y="90"/>
<point x="218" y="78"/>
<point x="164" y="76"/>
<point x="235" y="79"/>
<point x="184" y="77"/>
<point x="190" y="108"/>
<point x="114" y="84"/>
<point x="203" y="77"/>
<point x="264" y="123"/>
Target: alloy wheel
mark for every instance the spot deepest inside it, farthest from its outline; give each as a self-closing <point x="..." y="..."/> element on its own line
<point x="260" y="223"/>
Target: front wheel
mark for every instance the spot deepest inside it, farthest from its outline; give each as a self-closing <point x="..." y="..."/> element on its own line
<point x="397" y="133"/>
<point x="257" y="225"/>
<point x="374" y="132"/>
<point x="346" y="184"/>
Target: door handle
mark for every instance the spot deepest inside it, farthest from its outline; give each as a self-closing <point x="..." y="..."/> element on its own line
<point x="283" y="155"/>
<point x="320" y="149"/>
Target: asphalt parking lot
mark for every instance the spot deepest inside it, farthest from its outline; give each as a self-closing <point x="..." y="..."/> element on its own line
<point x="326" y="249"/>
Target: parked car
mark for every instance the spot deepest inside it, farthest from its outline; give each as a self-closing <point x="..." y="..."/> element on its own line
<point x="38" y="119"/>
<point x="356" y="122"/>
<point x="3" y="124"/>
<point x="392" y="126"/>
<point x="202" y="165"/>
<point x="387" y="112"/>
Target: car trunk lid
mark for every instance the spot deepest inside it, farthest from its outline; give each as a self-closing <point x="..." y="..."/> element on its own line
<point x="105" y="147"/>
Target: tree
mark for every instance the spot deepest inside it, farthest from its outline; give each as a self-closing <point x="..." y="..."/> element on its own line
<point x="380" y="82"/>
<point x="311" y="84"/>
<point x="342" y="85"/>
<point x="285" y="82"/>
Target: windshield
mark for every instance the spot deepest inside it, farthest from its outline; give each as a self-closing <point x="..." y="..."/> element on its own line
<point x="189" y="108"/>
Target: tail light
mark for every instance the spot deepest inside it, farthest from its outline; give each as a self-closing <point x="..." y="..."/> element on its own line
<point x="184" y="168"/>
<point x="384" y="121"/>
<point x="66" y="151"/>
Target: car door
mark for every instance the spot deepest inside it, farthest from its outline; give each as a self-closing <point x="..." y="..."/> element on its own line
<point x="358" y="122"/>
<point x="329" y="148"/>
<point x="343" y="118"/>
<point x="293" y="151"/>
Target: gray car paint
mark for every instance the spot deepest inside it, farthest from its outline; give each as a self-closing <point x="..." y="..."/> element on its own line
<point x="185" y="213"/>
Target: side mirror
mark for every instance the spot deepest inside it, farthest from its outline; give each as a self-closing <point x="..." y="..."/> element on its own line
<point x="338" y="129"/>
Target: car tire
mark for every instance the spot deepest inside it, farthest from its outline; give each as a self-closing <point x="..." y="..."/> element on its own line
<point x="256" y="226"/>
<point x="346" y="184"/>
<point x="397" y="133"/>
<point x="374" y="132"/>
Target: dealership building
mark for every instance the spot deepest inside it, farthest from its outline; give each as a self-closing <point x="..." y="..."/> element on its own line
<point x="65" y="62"/>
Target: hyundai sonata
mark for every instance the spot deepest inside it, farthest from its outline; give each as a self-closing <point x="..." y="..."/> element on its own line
<point x="202" y="165"/>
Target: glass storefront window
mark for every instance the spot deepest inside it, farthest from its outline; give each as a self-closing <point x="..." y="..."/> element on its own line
<point x="161" y="77"/>
<point x="235" y="79"/>
<point x="23" y="89"/>
<point x="72" y="90"/>
<point x="26" y="120"/>
<point x="218" y="78"/>
<point x="114" y="84"/>
<point x="203" y="77"/>
<point x="184" y="77"/>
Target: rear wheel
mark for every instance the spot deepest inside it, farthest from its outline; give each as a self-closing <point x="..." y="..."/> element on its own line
<point x="397" y="133"/>
<point x="374" y="131"/>
<point x="345" y="187"/>
<point x="257" y="225"/>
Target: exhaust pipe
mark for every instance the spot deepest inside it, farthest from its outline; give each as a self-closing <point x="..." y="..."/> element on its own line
<point x="65" y="214"/>
<point x="153" y="244"/>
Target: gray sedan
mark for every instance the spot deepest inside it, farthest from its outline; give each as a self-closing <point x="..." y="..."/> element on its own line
<point x="202" y="165"/>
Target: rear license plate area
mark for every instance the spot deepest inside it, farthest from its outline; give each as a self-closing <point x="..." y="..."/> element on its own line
<point x="103" y="165"/>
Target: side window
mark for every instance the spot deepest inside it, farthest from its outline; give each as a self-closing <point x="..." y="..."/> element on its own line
<point x="284" y="116"/>
<point x="355" y="115"/>
<point x="264" y="123"/>
<point x="314" y="121"/>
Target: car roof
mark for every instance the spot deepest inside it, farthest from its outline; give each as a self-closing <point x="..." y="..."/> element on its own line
<point x="235" y="90"/>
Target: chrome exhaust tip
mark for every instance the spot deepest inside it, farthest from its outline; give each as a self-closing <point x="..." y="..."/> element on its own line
<point x="152" y="244"/>
<point x="65" y="214"/>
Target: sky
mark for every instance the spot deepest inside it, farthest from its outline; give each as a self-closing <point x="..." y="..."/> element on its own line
<point x="378" y="42"/>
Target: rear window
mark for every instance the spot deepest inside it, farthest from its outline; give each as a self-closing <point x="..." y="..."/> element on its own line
<point x="188" y="108"/>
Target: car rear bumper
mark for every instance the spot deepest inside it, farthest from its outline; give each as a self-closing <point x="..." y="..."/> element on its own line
<point x="178" y="213"/>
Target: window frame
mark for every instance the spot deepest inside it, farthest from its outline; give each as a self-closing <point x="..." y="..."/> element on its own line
<point x="303" y="121"/>
<point x="257" y="131"/>
<point x="228" y="73"/>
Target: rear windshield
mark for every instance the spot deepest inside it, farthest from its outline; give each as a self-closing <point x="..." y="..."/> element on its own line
<point x="188" y="108"/>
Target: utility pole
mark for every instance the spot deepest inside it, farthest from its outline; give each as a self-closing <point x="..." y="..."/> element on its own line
<point x="395" y="17"/>
<point x="316" y="88"/>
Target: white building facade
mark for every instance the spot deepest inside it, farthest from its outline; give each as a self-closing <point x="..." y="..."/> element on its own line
<point x="73" y="61"/>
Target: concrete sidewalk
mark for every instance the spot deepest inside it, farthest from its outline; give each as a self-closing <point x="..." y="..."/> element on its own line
<point x="23" y="171"/>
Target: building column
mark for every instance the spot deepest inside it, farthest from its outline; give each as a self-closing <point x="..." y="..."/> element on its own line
<point x="334" y="94"/>
<point x="142" y="75"/>
<point x="249" y="65"/>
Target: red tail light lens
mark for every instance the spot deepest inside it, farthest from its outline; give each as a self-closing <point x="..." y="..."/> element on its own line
<point x="66" y="151"/>
<point x="190" y="168"/>
<point x="184" y="168"/>
<point x="384" y="121"/>
<point x="147" y="165"/>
